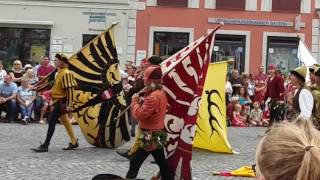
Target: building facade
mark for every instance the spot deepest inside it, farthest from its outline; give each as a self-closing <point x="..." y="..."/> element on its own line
<point x="256" y="32"/>
<point x="30" y="29"/>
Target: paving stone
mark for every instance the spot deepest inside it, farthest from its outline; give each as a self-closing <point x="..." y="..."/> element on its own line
<point x="17" y="161"/>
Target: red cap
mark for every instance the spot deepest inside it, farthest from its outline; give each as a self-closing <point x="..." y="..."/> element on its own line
<point x="143" y="61"/>
<point x="271" y="66"/>
<point x="153" y="73"/>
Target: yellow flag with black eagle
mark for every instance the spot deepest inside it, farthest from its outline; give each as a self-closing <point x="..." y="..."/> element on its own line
<point x="99" y="97"/>
<point x="211" y="130"/>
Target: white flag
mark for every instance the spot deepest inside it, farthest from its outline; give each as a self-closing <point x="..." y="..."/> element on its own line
<point x="304" y="55"/>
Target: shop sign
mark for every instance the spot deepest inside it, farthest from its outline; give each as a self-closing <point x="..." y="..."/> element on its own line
<point x="252" y="22"/>
<point x="98" y="16"/>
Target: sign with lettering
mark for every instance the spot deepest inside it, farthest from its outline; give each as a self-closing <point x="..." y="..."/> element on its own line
<point x="99" y="17"/>
<point x="252" y="22"/>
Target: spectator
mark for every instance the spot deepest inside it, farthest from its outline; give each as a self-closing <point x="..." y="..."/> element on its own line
<point x="25" y="97"/>
<point x="130" y="72"/>
<point x="8" y="93"/>
<point x="46" y="103"/>
<point x="289" y="151"/>
<point x="261" y="76"/>
<point x="30" y="77"/>
<point x="26" y="67"/>
<point x="244" y="98"/>
<point x="235" y="81"/>
<point x="228" y="89"/>
<point x="251" y="87"/>
<point x="3" y="73"/>
<point x="45" y="68"/>
<point x="127" y="64"/>
<point x="17" y="72"/>
<point x="237" y="118"/>
<point x="260" y="92"/>
<point x="256" y="114"/>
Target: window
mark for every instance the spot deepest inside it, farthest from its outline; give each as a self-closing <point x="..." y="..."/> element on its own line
<point x="231" y="4"/>
<point x="168" y="43"/>
<point x="230" y="47"/>
<point x="176" y="3"/>
<point x="282" y="52"/>
<point x="28" y="45"/>
<point x="286" y="5"/>
<point x="87" y="38"/>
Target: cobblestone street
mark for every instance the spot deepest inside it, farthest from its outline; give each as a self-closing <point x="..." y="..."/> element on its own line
<point x="17" y="161"/>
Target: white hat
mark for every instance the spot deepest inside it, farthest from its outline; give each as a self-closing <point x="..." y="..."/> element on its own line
<point x="27" y="66"/>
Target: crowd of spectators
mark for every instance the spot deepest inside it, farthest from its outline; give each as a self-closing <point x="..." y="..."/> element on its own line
<point x="247" y="99"/>
<point x="17" y="95"/>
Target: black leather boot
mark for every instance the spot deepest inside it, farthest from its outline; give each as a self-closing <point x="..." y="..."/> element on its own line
<point x="41" y="148"/>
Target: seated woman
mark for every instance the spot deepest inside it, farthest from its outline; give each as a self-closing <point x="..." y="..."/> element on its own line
<point x="17" y="72"/>
<point x="289" y="151"/>
<point x="25" y="98"/>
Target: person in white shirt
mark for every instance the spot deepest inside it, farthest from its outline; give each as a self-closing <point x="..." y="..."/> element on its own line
<point x="3" y="73"/>
<point x="25" y="97"/>
<point x="303" y="99"/>
<point x="228" y="89"/>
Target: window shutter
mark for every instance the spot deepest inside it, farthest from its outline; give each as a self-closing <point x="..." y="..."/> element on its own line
<point x="231" y="4"/>
<point x="176" y="3"/>
<point x="286" y="5"/>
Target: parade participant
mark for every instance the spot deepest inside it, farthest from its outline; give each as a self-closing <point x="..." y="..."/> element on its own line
<point x="139" y="85"/>
<point x="315" y="90"/>
<point x="302" y="100"/>
<point x="150" y="115"/>
<point x="62" y="97"/>
<point x="289" y="151"/>
<point x="275" y="91"/>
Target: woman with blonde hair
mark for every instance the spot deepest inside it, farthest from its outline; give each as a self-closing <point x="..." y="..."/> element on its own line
<point x="289" y="151"/>
<point x="30" y="76"/>
<point x="17" y="71"/>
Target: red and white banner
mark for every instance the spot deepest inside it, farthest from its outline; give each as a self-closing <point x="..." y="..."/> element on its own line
<point x="184" y="76"/>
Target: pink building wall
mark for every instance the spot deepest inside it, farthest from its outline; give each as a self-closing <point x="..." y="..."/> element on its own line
<point x="198" y="19"/>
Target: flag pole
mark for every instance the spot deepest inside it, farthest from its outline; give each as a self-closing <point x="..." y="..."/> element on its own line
<point x="167" y="72"/>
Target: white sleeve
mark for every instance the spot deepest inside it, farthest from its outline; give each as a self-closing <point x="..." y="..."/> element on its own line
<point x="305" y="103"/>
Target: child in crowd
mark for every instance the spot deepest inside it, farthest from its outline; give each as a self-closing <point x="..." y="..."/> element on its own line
<point x="237" y="118"/>
<point x="260" y="92"/>
<point x="255" y="118"/>
<point x="25" y="98"/>
<point x="230" y="108"/>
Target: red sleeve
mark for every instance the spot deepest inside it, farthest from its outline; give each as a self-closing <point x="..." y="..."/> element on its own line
<point x="267" y="91"/>
<point x="281" y="88"/>
<point x="144" y="111"/>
